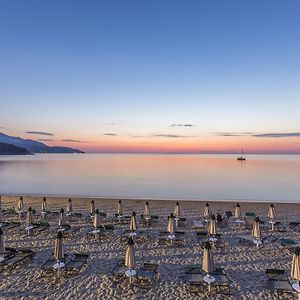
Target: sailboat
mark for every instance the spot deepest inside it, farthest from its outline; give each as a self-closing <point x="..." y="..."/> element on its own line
<point x="242" y="156"/>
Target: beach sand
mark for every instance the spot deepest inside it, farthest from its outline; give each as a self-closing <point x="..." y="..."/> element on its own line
<point x="244" y="265"/>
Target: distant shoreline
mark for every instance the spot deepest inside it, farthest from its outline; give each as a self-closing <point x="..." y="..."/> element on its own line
<point x="113" y="198"/>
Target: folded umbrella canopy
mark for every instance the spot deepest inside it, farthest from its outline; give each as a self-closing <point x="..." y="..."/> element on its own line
<point x="29" y="218"/>
<point x="206" y="213"/>
<point x="147" y="211"/>
<point x="69" y="206"/>
<point x="44" y="204"/>
<point x="97" y="220"/>
<point x="256" y="231"/>
<point x="92" y="207"/>
<point x="133" y="222"/>
<point x="177" y="210"/>
<point x="295" y="271"/>
<point x="59" y="251"/>
<point x="61" y="218"/>
<point x="237" y="211"/>
<point x="171" y="227"/>
<point x="120" y="208"/>
<point x="2" y="247"/>
<point x="208" y="264"/>
<point x="272" y="215"/>
<point x="130" y="258"/>
<point x="20" y="205"/>
<point x="271" y="212"/>
<point x="212" y="226"/>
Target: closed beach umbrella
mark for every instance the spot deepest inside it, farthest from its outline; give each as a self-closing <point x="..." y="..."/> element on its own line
<point x="97" y="219"/>
<point x="44" y="204"/>
<point x="130" y="259"/>
<point x="271" y="212"/>
<point x="0" y="203"/>
<point x="237" y="211"/>
<point x="69" y="206"/>
<point x="146" y="210"/>
<point x="256" y="229"/>
<point x="206" y="213"/>
<point x="177" y="210"/>
<point x="133" y="223"/>
<point x="212" y="226"/>
<point x="58" y="247"/>
<point x="129" y="256"/>
<point x="92" y="207"/>
<point x="207" y="262"/>
<point x="1" y="217"/>
<point x="2" y="248"/>
<point x="29" y="217"/>
<point x="295" y="272"/>
<point x="120" y="208"/>
<point x="171" y="224"/>
<point x="20" y="204"/>
<point x="61" y="218"/>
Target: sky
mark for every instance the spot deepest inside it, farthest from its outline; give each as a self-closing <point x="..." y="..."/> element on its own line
<point x="152" y="76"/>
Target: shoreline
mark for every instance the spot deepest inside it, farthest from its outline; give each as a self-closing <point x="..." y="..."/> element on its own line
<point x="264" y="201"/>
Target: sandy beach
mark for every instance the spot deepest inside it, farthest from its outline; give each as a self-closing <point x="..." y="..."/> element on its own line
<point x="244" y="265"/>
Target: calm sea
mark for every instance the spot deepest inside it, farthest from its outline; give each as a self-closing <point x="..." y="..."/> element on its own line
<point x="214" y="177"/>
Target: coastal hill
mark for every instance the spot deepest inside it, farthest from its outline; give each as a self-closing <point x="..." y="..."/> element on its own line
<point x="8" y="149"/>
<point x="33" y="146"/>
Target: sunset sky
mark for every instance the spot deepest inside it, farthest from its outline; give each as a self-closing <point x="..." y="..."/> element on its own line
<point x="152" y="76"/>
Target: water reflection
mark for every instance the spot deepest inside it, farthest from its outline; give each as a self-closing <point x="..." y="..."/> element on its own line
<point x="153" y="176"/>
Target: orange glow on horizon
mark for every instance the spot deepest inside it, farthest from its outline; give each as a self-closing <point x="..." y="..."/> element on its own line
<point x="209" y="144"/>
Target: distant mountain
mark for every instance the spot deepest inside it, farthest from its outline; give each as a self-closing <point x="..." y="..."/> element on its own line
<point x="8" y="149"/>
<point x="34" y="146"/>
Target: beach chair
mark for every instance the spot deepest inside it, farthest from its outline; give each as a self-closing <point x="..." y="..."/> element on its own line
<point x="141" y="234"/>
<point x="295" y="226"/>
<point x="200" y="235"/>
<point x="198" y="225"/>
<point x="66" y="229"/>
<point x="14" y="257"/>
<point x="279" y="281"/>
<point x="10" y="225"/>
<point x="37" y="227"/>
<point x="146" y="274"/>
<point x="222" y="282"/>
<point x="193" y="277"/>
<point x="153" y="220"/>
<point x="105" y="231"/>
<point x="76" y="262"/>
<point x="228" y="214"/>
<point x="164" y="237"/>
<point x="250" y="214"/>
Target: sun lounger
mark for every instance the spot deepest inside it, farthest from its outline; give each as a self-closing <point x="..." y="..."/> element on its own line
<point x="164" y="236"/>
<point x="119" y="269"/>
<point x="279" y="280"/>
<point x="295" y="226"/>
<point x="149" y="222"/>
<point x="228" y="214"/>
<point x="66" y="229"/>
<point x="222" y="282"/>
<point x="202" y="235"/>
<point x="193" y="275"/>
<point x="198" y="225"/>
<point x="103" y="232"/>
<point x="141" y="234"/>
<point x="250" y="214"/>
<point x="16" y="256"/>
<point x="76" y="262"/>
<point x="146" y="273"/>
<point x="9" y="211"/>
